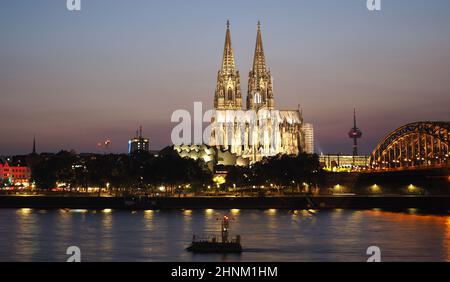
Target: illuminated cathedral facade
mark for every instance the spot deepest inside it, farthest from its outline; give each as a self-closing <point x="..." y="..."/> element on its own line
<point x="257" y="130"/>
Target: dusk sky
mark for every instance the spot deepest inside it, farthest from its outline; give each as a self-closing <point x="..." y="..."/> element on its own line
<point x="77" y="78"/>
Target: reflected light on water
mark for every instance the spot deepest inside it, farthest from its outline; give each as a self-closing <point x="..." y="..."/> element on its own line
<point x="405" y="219"/>
<point x="106" y="239"/>
<point x="148" y="214"/>
<point x="64" y="223"/>
<point x="64" y="212"/>
<point x="447" y="235"/>
<point x="337" y="213"/>
<point x="401" y="217"/>
<point x="24" y="211"/>
<point x="272" y="211"/>
<point x="412" y="211"/>
<point x="356" y="216"/>
<point x="304" y="213"/>
<point x="78" y="210"/>
<point x="148" y="221"/>
<point x="235" y="211"/>
<point x="26" y="228"/>
<point x="107" y="221"/>
<point x="275" y="234"/>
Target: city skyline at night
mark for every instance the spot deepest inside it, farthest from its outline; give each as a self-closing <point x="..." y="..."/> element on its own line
<point x="75" y="79"/>
<point x="224" y="139"/>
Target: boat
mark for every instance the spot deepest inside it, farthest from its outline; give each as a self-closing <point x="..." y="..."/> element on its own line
<point x="213" y="245"/>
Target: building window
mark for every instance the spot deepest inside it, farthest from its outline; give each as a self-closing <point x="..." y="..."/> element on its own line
<point x="230" y="94"/>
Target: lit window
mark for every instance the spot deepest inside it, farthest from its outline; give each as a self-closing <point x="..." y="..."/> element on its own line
<point x="257" y="98"/>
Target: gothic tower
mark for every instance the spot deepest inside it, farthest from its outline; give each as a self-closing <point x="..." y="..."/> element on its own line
<point x="260" y="83"/>
<point x="228" y="90"/>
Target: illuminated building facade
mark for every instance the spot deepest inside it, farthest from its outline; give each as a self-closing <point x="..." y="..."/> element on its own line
<point x="15" y="174"/>
<point x="138" y="143"/>
<point x="228" y="89"/>
<point x="260" y="131"/>
<point x="308" y="130"/>
<point x="339" y="162"/>
<point x="210" y="155"/>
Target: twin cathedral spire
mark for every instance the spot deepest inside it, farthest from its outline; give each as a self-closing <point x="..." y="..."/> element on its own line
<point x="260" y="84"/>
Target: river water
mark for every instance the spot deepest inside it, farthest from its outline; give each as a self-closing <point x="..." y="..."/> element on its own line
<point x="267" y="235"/>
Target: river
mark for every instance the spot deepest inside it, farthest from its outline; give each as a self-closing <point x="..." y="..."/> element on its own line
<point x="267" y="235"/>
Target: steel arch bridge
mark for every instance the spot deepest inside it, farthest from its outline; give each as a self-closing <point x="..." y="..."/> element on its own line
<point x="418" y="144"/>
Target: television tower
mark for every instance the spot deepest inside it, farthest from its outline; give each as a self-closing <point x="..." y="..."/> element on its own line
<point x="355" y="133"/>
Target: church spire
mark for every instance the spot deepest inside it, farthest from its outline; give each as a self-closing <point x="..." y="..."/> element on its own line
<point x="259" y="60"/>
<point x="34" y="144"/>
<point x="260" y="83"/>
<point x="228" y="65"/>
<point x="228" y="89"/>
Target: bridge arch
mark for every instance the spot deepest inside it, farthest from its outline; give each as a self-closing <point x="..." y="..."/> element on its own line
<point x="416" y="144"/>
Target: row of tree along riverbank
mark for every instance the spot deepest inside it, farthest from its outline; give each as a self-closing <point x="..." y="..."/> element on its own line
<point x="147" y="173"/>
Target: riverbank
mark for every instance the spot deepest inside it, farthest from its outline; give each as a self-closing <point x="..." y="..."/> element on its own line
<point x="439" y="203"/>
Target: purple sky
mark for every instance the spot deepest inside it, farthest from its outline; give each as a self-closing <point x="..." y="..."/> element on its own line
<point x="75" y="79"/>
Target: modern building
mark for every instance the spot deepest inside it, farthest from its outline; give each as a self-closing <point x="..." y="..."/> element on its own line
<point x="308" y="130"/>
<point x="138" y="143"/>
<point x="210" y="155"/>
<point x="338" y="162"/>
<point x="260" y="130"/>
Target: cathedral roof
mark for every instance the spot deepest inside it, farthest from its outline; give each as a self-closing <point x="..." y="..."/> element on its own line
<point x="291" y="116"/>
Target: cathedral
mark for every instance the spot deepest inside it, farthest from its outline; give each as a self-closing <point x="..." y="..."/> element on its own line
<point x="257" y="130"/>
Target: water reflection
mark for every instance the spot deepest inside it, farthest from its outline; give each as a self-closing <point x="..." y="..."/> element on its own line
<point x="267" y="235"/>
<point x="235" y="211"/>
<point x="271" y="211"/>
<point x="447" y="237"/>
<point x="107" y="211"/>
<point x="79" y="210"/>
<point x="416" y="230"/>
<point x="24" y="211"/>
<point x="24" y="245"/>
<point x="148" y="214"/>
